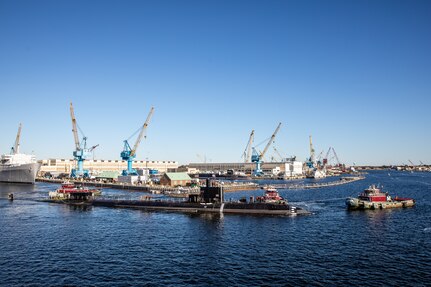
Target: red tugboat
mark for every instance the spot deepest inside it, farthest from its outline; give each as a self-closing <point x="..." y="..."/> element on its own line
<point x="374" y="198"/>
<point x="271" y="196"/>
<point x="72" y="192"/>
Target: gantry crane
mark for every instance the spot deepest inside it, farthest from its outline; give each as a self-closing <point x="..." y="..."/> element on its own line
<point x="247" y="151"/>
<point x="129" y="153"/>
<point x="15" y="148"/>
<point x="81" y="152"/>
<point x="257" y="157"/>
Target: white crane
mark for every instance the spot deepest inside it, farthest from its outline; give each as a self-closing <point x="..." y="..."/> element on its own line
<point x="247" y="151"/>
<point x="15" y="148"/>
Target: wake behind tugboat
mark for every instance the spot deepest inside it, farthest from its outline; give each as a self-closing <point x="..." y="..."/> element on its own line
<point x="341" y="181"/>
<point x="374" y="198"/>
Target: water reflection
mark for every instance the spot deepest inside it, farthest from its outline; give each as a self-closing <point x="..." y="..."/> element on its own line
<point x="82" y="207"/>
<point x="214" y="218"/>
<point x="6" y="188"/>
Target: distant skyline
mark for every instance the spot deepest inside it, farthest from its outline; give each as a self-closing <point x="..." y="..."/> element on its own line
<point x="356" y="75"/>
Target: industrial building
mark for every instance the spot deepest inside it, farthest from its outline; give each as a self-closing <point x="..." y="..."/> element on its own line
<point x="288" y="168"/>
<point x="175" y="179"/>
<point x="56" y="166"/>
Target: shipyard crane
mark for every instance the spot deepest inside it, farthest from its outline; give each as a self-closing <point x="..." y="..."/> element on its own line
<point x="257" y="157"/>
<point x="202" y="158"/>
<point x="328" y="160"/>
<point x="81" y="152"/>
<point x="311" y="161"/>
<point x="319" y="160"/>
<point x="15" y="148"/>
<point x="247" y="151"/>
<point x="336" y="157"/>
<point x="129" y="153"/>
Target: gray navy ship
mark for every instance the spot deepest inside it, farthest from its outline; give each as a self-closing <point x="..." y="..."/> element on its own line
<point x="17" y="167"/>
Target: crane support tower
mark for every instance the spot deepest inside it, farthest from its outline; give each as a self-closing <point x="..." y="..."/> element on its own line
<point x="128" y="153"/>
<point x="257" y="157"/>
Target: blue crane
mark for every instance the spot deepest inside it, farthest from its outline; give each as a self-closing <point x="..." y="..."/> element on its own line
<point x="257" y="157"/>
<point x="129" y="153"/>
<point x="81" y="151"/>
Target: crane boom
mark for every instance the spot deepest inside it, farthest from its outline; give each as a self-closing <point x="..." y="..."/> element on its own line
<point x="93" y="147"/>
<point x="327" y="154"/>
<point x="278" y="153"/>
<point x="250" y="143"/>
<point x="270" y="141"/>
<point x="141" y="134"/>
<point x="16" y="145"/>
<point x="74" y="129"/>
<point x="336" y="156"/>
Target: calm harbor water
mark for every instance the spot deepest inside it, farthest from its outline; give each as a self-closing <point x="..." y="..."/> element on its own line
<point x="46" y="244"/>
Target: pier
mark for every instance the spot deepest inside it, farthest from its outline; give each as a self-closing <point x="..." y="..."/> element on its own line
<point x="341" y="181"/>
<point x="184" y="192"/>
<point x="159" y="189"/>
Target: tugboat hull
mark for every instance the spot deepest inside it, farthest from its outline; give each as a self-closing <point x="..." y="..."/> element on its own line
<point x="357" y="204"/>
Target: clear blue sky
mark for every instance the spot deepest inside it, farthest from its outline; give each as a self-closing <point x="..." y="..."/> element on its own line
<point x="354" y="74"/>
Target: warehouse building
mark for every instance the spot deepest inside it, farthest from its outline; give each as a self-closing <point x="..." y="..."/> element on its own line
<point x="175" y="179"/>
<point x="56" y="166"/>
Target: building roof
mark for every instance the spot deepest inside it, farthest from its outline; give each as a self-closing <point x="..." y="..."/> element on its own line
<point x="178" y="176"/>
